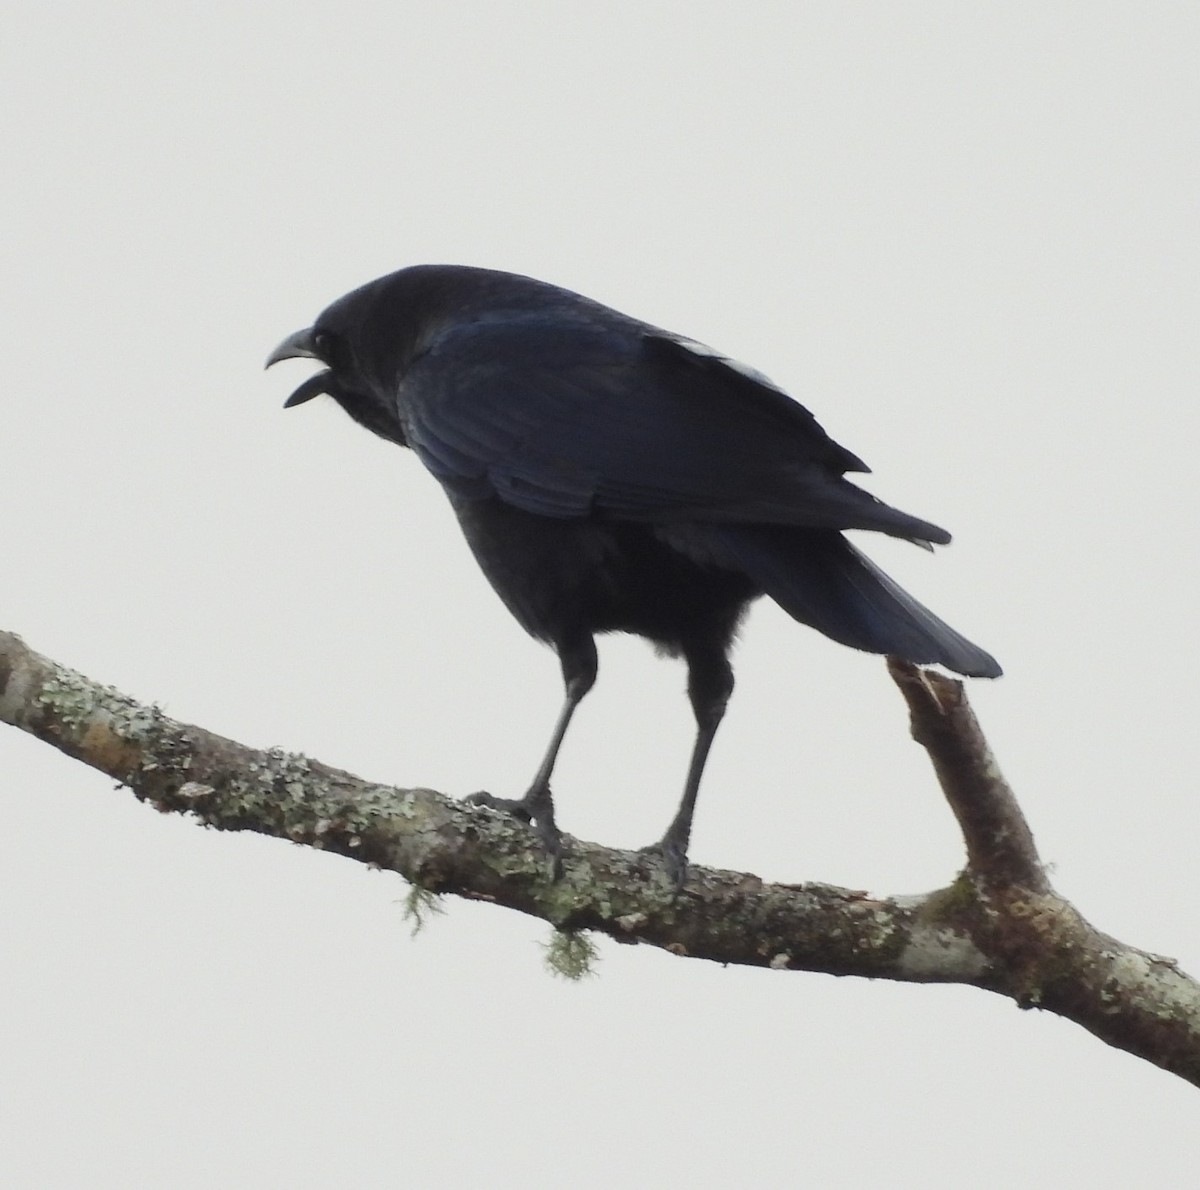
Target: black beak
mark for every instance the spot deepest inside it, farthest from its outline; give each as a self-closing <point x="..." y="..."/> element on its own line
<point x="297" y="346"/>
<point x="300" y="346"/>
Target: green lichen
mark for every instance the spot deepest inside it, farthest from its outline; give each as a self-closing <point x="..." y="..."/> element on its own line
<point x="135" y="722"/>
<point x="70" y="697"/>
<point x="287" y="772"/>
<point x="420" y="907"/>
<point x="948" y="903"/>
<point x="75" y="702"/>
<point x="571" y="955"/>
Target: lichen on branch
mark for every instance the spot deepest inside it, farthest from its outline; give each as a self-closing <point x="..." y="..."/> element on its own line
<point x="998" y="925"/>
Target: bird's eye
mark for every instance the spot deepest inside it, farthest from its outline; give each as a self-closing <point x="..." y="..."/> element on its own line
<point x="322" y="342"/>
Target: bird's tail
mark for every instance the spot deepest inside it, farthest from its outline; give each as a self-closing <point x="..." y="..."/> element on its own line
<point x="820" y="579"/>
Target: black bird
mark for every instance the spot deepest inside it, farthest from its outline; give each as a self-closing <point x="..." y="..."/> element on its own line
<point x="614" y="477"/>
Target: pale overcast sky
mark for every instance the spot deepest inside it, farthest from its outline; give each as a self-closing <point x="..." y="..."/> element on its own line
<point x="963" y="234"/>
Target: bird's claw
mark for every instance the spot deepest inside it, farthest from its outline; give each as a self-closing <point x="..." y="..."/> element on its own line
<point x="674" y="859"/>
<point x="534" y="808"/>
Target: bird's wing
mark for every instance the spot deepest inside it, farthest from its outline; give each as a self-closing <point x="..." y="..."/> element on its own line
<point x="571" y="419"/>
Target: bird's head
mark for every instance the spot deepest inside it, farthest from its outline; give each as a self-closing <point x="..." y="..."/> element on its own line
<point x="369" y="339"/>
<point x="363" y="386"/>
<point x="310" y="343"/>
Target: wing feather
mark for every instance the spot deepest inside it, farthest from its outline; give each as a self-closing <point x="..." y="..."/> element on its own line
<point x="573" y="419"/>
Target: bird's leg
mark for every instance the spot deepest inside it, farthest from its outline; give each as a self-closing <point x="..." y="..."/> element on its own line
<point x="579" y="666"/>
<point x="710" y="683"/>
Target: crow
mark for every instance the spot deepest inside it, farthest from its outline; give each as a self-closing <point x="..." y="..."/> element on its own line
<point x="610" y="476"/>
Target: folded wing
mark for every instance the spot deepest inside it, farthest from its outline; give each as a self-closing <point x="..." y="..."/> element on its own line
<point x="573" y="419"/>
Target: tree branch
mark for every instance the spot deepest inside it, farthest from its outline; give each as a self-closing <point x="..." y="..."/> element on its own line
<point x="1001" y="852"/>
<point x="999" y="925"/>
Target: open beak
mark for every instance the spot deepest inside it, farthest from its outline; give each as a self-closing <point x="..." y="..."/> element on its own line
<point x="297" y="346"/>
<point x="300" y="346"/>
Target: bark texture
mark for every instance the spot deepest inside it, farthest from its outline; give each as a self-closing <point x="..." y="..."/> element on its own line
<point x="999" y="925"/>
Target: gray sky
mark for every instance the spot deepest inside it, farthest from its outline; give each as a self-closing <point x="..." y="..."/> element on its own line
<point x="964" y="235"/>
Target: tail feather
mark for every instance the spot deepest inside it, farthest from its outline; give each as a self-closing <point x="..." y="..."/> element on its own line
<point x="820" y="579"/>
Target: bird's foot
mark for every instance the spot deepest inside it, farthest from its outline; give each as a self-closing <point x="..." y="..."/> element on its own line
<point x="673" y="854"/>
<point x="536" y="808"/>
